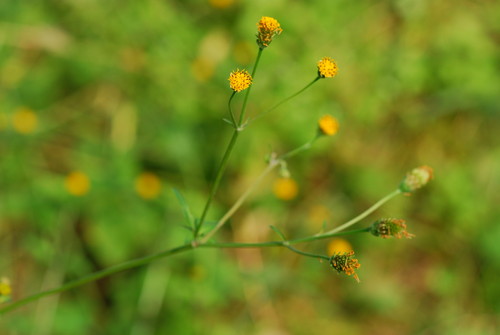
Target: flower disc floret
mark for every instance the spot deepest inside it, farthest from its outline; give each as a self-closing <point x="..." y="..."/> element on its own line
<point x="239" y="80"/>
<point x="328" y="125"/>
<point x="327" y="68"/>
<point x="267" y="28"/>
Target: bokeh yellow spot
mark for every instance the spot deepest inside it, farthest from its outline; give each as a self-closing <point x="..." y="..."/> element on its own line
<point x="24" y="120"/>
<point x="148" y="185"/>
<point x="318" y="214"/>
<point x="338" y="245"/>
<point x="285" y="188"/>
<point x="221" y="3"/>
<point x="77" y="183"/>
<point x="5" y="288"/>
<point x="202" y="69"/>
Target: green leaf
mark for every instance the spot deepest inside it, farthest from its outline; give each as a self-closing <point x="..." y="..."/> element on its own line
<point x="277" y="231"/>
<point x="185" y="208"/>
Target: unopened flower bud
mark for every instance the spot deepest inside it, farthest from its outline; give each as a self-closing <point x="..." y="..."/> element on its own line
<point x="416" y="179"/>
<point x="386" y="228"/>
<point x="328" y="125"/>
<point x="344" y="262"/>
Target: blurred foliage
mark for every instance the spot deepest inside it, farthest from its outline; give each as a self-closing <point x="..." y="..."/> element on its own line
<point x="129" y="96"/>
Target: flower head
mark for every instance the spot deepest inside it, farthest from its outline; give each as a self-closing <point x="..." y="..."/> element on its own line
<point x="285" y="188"/>
<point x="327" y="68"/>
<point x="148" y="185"/>
<point x="328" y="125"/>
<point x="386" y="228"/>
<point x="239" y="80"/>
<point x="267" y="28"/>
<point x="24" y="121"/>
<point x="344" y="262"/>
<point x="5" y="288"/>
<point x="416" y="179"/>
<point x="77" y="183"/>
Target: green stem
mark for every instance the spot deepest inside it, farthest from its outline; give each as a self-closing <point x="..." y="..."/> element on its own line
<point x="365" y="213"/>
<point x="235" y="125"/>
<point x="286" y="99"/>
<point x="97" y="275"/>
<point x="298" y="150"/>
<point x="227" y="153"/>
<point x="245" y="100"/>
<point x="240" y="201"/>
<point x="183" y="248"/>
<point x="216" y="183"/>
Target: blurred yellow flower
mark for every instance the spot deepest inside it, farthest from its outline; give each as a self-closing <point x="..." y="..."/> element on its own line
<point x="5" y="288"/>
<point x="285" y="188"/>
<point x="338" y="245"/>
<point x="267" y="28"/>
<point x="239" y="80"/>
<point x="148" y="185"/>
<point x="328" y="125"/>
<point x="327" y="68"/>
<point x="77" y="183"/>
<point x="202" y="69"/>
<point x="24" y="120"/>
<point x="221" y="3"/>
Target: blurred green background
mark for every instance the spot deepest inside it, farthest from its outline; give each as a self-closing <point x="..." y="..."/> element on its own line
<point x="105" y="106"/>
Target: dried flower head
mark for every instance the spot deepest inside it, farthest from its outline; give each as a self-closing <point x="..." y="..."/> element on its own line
<point x="328" y="125"/>
<point x="345" y="263"/>
<point x="327" y="68"/>
<point x="267" y="28"/>
<point x="386" y="228"/>
<point x="240" y="80"/>
<point x="416" y="179"/>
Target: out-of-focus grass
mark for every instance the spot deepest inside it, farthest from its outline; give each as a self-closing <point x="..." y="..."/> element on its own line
<point x="118" y="89"/>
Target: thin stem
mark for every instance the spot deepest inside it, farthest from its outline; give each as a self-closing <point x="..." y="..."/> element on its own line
<point x="298" y="150"/>
<point x="97" y="275"/>
<point x="183" y="248"/>
<point x="227" y="153"/>
<point x="216" y="183"/>
<point x="286" y="99"/>
<point x="245" y="100"/>
<point x="231" y="111"/>
<point x="240" y="201"/>
<point x="365" y="213"/>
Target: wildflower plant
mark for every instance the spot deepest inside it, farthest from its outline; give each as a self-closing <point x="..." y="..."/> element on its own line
<point x="202" y="235"/>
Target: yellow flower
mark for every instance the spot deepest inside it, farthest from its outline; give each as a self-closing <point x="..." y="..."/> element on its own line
<point x="285" y="189"/>
<point x="77" y="183"/>
<point x="267" y="28"/>
<point x="338" y="245"/>
<point x="328" y="125"/>
<point x="327" y="68"/>
<point x="221" y="3"/>
<point x="24" y="120"/>
<point x="239" y="80"/>
<point x="345" y="263"/>
<point x="148" y="185"/>
<point x="5" y="288"/>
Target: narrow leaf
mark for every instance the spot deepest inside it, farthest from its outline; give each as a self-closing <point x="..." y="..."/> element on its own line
<point x="277" y="231"/>
<point x="185" y="208"/>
